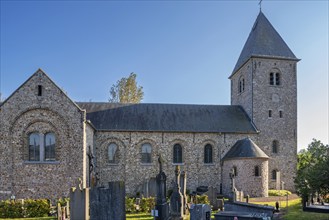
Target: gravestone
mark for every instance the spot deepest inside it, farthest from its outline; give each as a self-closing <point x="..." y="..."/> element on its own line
<point x="176" y="199"/>
<point x="108" y="203"/>
<point x="79" y="202"/>
<point x="161" y="211"/>
<point x="212" y="196"/>
<point x="200" y="212"/>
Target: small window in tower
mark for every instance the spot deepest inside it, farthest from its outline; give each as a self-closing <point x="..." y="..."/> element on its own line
<point x="39" y="90"/>
<point x="257" y="171"/>
<point x="281" y="114"/>
<point x="270" y="113"/>
<point x="235" y="170"/>
<point x="241" y="85"/>
<point x="275" y="146"/>
<point x="271" y="79"/>
<point x="277" y="79"/>
<point x="274" y="174"/>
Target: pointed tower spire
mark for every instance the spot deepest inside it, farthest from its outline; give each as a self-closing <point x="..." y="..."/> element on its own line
<point x="264" y="41"/>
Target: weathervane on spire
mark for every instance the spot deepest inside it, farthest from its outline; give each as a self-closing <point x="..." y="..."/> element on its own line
<point x="260" y="5"/>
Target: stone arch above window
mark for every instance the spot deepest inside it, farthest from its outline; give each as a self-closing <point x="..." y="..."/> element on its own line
<point x="257" y="171"/>
<point x="275" y="146"/>
<point x="208" y="153"/>
<point x="146" y="153"/>
<point x="113" y="153"/>
<point x="275" y="77"/>
<point x="177" y="153"/>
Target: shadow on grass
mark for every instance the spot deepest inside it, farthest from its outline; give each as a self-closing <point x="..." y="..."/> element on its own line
<point x="295" y="212"/>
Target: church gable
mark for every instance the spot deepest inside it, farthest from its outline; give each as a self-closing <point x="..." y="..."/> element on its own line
<point x="36" y="92"/>
<point x="42" y="135"/>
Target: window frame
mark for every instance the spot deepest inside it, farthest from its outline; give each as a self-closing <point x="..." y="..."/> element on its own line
<point x="257" y="171"/>
<point x="208" y="159"/>
<point x="177" y="159"/>
<point x="52" y="149"/>
<point x="42" y="148"/>
<point x="146" y="158"/>
<point x="275" y="146"/>
<point x="274" y="175"/>
<point x="115" y="156"/>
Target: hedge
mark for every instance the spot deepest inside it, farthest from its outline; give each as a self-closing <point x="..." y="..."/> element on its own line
<point x="24" y="208"/>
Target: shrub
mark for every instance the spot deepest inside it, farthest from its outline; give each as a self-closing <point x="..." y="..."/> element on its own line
<point x="147" y="204"/>
<point x="63" y="201"/>
<point x="28" y="208"/>
<point x="278" y="192"/>
<point x="36" y="208"/>
<point x="130" y="204"/>
<point x="11" y="209"/>
<point x="202" y="199"/>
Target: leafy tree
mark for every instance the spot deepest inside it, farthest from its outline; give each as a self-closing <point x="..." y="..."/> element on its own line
<point x="126" y="90"/>
<point x="313" y="170"/>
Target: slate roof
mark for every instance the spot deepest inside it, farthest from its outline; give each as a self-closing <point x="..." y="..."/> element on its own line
<point x="168" y="117"/>
<point x="245" y="148"/>
<point x="264" y="41"/>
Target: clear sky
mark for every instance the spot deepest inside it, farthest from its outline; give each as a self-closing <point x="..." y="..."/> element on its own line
<point x="182" y="51"/>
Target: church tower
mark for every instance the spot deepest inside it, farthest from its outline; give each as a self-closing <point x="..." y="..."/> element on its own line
<point x="264" y="83"/>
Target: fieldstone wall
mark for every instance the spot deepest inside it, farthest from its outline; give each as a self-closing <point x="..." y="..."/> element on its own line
<point x="130" y="169"/>
<point x="245" y="180"/>
<point x="24" y="112"/>
<point x="265" y="97"/>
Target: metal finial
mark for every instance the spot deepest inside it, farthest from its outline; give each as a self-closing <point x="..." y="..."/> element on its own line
<point x="260" y="5"/>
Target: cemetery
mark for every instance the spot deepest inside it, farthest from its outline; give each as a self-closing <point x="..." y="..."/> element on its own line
<point x="111" y="203"/>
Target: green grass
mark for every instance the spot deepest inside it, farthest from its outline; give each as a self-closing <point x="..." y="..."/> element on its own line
<point x="295" y="211"/>
<point x="273" y="192"/>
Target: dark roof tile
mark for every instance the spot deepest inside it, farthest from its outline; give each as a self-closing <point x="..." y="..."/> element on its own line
<point x="168" y="117"/>
<point x="264" y="41"/>
<point x="245" y="148"/>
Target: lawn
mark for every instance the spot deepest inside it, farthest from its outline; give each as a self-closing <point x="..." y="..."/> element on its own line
<point x="295" y="212"/>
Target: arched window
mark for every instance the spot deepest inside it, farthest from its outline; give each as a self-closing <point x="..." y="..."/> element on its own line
<point x="274" y="174"/>
<point x="146" y="153"/>
<point x="235" y="171"/>
<point x="208" y="153"/>
<point x="34" y="147"/>
<point x="257" y="171"/>
<point x="177" y="154"/>
<point x="275" y="78"/>
<point x="50" y="143"/>
<point x="275" y="146"/>
<point x="113" y="153"/>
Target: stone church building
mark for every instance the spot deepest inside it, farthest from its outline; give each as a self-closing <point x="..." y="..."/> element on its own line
<point x="48" y="141"/>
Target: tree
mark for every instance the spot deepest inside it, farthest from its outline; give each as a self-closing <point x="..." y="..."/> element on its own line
<point x="126" y="90"/>
<point x="313" y="170"/>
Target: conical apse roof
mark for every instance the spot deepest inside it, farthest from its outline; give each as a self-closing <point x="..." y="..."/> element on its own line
<point x="245" y="148"/>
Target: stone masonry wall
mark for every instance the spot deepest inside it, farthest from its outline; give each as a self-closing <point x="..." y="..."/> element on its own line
<point x="130" y="169"/>
<point x="245" y="180"/>
<point x="25" y="112"/>
<point x="265" y="97"/>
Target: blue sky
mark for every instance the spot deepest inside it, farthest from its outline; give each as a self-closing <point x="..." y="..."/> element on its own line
<point x="182" y="52"/>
